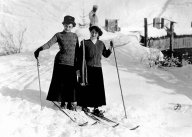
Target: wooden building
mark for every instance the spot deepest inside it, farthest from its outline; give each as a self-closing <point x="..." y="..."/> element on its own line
<point x="111" y="25"/>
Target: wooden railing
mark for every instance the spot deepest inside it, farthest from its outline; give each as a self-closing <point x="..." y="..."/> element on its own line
<point x="163" y="43"/>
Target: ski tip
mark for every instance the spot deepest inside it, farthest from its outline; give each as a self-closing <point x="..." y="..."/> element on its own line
<point x="135" y="127"/>
<point x="83" y="124"/>
<point x="116" y="125"/>
<point x="94" y="123"/>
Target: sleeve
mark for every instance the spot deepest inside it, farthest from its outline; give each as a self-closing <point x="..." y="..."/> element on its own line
<point x="52" y="41"/>
<point x="106" y="52"/>
<point x="76" y="54"/>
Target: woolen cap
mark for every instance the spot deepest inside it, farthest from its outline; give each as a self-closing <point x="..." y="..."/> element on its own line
<point x="69" y="20"/>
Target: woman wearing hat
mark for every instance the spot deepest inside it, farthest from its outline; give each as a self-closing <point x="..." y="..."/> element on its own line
<point x="90" y="54"/>
<point x="64" y="80"/>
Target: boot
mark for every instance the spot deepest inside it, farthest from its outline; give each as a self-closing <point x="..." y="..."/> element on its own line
<point x="64" y="105"/>
<point x="85" y="109"/>
<point x="98" y="112"/>
<point x="73" y="106"/>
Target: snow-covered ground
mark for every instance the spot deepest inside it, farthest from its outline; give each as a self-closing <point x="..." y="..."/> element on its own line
<point x="150" y="94"/>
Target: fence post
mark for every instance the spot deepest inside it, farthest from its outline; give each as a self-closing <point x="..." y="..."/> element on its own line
<point x="106" y="25"/>
<point x="171" y="38"/>
<point x="146" y="32"/>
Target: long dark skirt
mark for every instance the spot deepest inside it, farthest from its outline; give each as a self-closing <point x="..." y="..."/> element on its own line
<point x="62" y="87"/>
<point x="93" y="95"/>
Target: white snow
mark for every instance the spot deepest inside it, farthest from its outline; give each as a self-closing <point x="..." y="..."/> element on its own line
<point x="150" y="94"/>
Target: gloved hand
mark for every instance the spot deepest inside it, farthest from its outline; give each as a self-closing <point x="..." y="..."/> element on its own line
<point x="36" y="53"/>
<point x="111" y="44"/>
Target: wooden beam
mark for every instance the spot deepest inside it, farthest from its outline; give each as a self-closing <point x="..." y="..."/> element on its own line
<point x="146" y="32"/>
<point x="172" y="38"/>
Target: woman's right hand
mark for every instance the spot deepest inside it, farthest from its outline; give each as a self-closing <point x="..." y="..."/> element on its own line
<point x="36" y="53"/>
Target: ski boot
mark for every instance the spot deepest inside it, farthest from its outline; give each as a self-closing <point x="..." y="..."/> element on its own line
<point x="98" y="112"/>
<point x="85" y="109"/>
<point x="64" y="105"/>
<point x="73" y="106"/>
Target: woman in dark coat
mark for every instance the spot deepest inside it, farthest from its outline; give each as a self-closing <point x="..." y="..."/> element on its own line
<point x="64" y="79"/>
<point x="89" y="58"/>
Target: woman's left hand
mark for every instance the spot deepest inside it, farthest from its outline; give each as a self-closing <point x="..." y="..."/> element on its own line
<point x="111" y="44"/>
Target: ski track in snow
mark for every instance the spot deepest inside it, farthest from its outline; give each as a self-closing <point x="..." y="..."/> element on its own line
<point x="24" y="76"/>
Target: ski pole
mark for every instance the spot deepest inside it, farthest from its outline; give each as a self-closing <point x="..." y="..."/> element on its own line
<point x="119" y="82"/>
<point x="39" y="82"/>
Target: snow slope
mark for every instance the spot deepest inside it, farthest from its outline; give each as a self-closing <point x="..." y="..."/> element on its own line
<point x="149" y="95"/>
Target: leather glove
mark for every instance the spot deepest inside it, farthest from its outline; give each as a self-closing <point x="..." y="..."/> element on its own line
<point x="36" y="53"/>
<point x="111" y="44"/>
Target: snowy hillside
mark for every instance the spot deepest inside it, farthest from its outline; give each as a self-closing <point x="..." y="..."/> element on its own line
<point x="42" y="18"/>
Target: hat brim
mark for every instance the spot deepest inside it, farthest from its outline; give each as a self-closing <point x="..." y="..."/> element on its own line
<point x="73" y="23"/>
<point x="96" y="28"/>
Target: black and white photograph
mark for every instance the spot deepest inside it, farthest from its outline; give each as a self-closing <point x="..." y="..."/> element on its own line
<point x="95" y="68"/>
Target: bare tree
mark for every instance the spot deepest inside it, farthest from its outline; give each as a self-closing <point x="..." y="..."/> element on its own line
<point x="21" y="39"/>
<point x="11" y="42"/>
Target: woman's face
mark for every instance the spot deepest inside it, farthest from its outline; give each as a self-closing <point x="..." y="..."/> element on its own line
<point x="94" y="34"/>
<point x="68" y="27"/>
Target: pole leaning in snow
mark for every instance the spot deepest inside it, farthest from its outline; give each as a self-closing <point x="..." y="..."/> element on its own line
<point x="119" y="79"/>
<point x="39" y="82"/>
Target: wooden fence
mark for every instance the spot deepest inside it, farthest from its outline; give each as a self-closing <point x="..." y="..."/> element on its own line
<point x="182" y="46"/>
<point x="163" y="43"/>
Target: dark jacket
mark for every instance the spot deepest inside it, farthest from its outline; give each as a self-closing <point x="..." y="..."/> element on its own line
<point x="89" y="55"/>
<point x="93" y="52"/>
<point x="68" y="45"/>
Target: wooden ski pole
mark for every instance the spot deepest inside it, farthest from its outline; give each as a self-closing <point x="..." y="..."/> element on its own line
<point x="119" y="81"/>
<point x="39" y="82"/>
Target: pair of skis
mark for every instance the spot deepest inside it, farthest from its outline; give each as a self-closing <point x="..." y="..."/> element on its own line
<point x="71" y="116"/>
<point x="106" y="121"/>
<point x="93" y="119"/>
<point x="76" y="117"/>
<point x="102" y="120"/>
